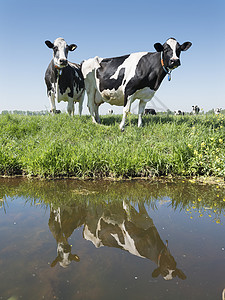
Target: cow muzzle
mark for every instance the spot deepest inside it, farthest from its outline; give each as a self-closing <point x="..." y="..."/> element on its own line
<point x="63" y="62"/>
<point x="174" y="63"/>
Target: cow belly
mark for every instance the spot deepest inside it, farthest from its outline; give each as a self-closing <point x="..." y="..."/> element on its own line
<point x="117" y="97"/>
<point x="144" y="94"/>
<point x="129" y="243"/>
<point x="113" y="97"/>
<point x="64" y="97"/>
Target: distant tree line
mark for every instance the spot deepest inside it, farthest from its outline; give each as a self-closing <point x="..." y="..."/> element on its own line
<point x="45" y="112"/>
<point x="25" y="113"/>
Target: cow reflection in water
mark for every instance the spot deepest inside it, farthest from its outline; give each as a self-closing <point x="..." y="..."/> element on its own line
<point x="114" y="225"/>
<point x="62" y="222"/>
<point x="125" y="228"/>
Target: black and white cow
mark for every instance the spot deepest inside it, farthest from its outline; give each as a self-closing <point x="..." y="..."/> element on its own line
<point x="122" y="226"/>
<point x="121" y="80"/>
<point x="217" y="110"/>
<point x="149" y="111"/>
<point x="178" y="112"/>
<point x="195" y="110"/>
<point x="64" y="79"/>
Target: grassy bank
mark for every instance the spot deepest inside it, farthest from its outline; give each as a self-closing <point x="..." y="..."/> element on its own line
<point x="57" y="146"/>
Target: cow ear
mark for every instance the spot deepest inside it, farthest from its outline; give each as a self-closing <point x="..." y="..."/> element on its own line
<point x="57" y="259"/>
<point x="158" y="47"/>
<point x="72" y="47"/>
<point x="156" y="273"/>
<point x="181" y="274"/>
<point x="185" y="46"/>
<point x="49" y="44"/>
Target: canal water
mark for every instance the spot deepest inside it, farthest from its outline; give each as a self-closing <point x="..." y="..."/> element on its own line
<point x="69" y="239"/>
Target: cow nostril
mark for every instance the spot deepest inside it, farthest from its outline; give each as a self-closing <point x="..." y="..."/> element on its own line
<point x="175" y="62"/>
<point x="63" y="61"/>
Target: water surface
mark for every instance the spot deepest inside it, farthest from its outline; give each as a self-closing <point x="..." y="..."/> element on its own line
<point x="69" y="239"/>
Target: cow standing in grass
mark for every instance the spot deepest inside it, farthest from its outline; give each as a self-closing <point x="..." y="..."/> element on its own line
<point x="121" y="80"/>
<point x="195" y="110"/>
<point x="149" y="111"/>
<point x="178" y="112"/>
<point x="217" y="110"/>
<point x="64" y="79"/>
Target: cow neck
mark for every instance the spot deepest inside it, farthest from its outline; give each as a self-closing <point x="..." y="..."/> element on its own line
<point x="167" y="70"/>
<point x="160" y="253"/>
<point x="58" y="71"/>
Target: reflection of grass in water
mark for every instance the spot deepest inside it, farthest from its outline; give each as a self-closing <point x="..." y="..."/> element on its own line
<point x="84" y="192"/>
<point x="203" y="199"/>
<point x="3" y="204"/>
<point x="57" y="146"/>
<point x="202" y="207"/>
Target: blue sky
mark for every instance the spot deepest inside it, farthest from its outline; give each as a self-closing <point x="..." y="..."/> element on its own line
<point x="107" y="29"/>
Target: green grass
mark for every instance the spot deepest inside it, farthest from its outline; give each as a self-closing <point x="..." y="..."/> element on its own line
<point x="61" y="146"/>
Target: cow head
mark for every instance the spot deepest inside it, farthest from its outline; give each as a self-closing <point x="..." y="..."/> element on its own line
<point x="64" y="257"/>
<point x="167" y="266"/>
<point x="171" y="50"/>
<point x="60" y="52"/>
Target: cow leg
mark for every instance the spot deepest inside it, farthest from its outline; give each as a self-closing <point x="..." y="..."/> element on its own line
<point x="81" y="100"/>
<point x="141" y="110"/>
<point x="92" y="110"/>
<point x="97" y="118"/>
<point x="52" y="102"/>
<point x="126" y="110"/>
<point x="91" y="104"/>
<point x="80" y="107"/>
<point x="70" y="106"/>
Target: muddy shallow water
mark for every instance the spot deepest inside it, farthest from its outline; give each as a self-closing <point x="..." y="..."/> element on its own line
<point x="70" y="239"/>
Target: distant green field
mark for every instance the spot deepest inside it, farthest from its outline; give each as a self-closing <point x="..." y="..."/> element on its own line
<point x="63" y="146"/>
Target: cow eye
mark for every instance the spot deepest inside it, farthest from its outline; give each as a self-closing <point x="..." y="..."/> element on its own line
<point x="167" y="49"/>
<point x="55" y="48"/>
<point x="178" y="52"/>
